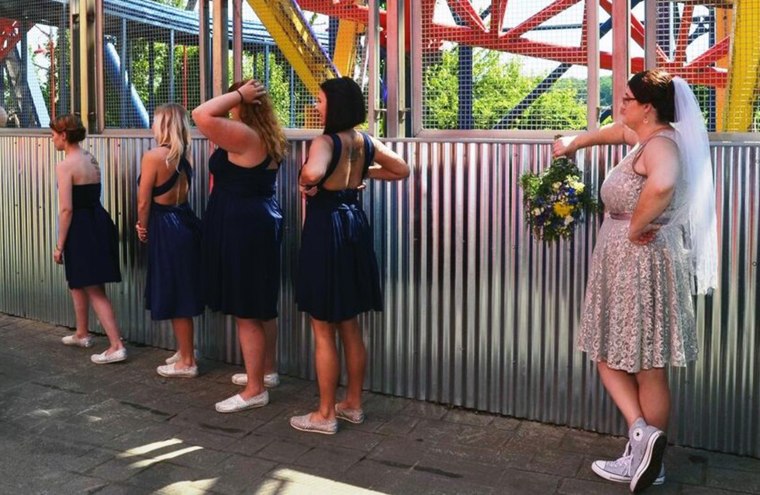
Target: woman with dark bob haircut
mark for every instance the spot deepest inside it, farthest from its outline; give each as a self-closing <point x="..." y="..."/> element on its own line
<point x="338" y="276"/>
<point x="88" y="242"/>
<point x="659" y="237"/>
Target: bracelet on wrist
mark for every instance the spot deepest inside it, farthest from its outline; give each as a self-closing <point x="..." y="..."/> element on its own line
<point x="241" y="95"/>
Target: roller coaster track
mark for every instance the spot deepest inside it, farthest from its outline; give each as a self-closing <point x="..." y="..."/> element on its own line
<point x="296" y="40"/>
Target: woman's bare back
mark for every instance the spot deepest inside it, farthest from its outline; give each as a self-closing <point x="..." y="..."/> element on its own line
<point x="82" y="167"/>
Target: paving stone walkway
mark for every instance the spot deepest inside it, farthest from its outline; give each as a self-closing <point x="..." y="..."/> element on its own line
<point x="69" y="426"/>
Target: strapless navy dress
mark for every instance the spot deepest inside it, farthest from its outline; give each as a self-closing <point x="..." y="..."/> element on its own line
<point x="91" y="252"/>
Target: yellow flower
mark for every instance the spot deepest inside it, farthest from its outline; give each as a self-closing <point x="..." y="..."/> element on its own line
<point x="562" y="209"/>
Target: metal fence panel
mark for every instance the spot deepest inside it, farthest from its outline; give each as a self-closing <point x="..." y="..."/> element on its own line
<point x="477" y="313"/>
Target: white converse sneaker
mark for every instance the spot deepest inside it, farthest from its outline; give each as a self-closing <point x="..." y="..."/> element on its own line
<point x="647" y="449"/>
<point x="619" y="470"/>
<point x="74" y="340"/>
<point x="271" y="380"/>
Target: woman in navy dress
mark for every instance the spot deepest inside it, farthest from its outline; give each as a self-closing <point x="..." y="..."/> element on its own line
<point x="337" y="271"/>
<point x="88" y="242"/>
<point x="242" y="226"/>
<point x="173" y="233"/>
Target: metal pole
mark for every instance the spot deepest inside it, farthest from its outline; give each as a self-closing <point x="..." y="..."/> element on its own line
<point x="621" y="13"/>
<point x="98" y="68"/>
<point x="237" y="40"/>
<point x="74" y="28"/>
<point x="650" y="40"/>
<point x="416" y="61"/>
<point x="267" y="69"/>
<point x="203" y="50"/>
<point x="395" y="70"/>
<point x="171" y="65"/>
<point x="124" y="92"/>
<point x="373" y="83"/>
<point x="220" y="45"/>
<point x="63" y="77"/>
<point x="592" y="62"/>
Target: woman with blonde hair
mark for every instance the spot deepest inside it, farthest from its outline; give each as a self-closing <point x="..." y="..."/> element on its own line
<point x="242" y="226"/>
<point x="167" y="223"/>
<point x="88" y="242"/>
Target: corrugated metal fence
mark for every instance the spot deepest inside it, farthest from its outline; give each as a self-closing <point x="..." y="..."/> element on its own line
<point x="477" y="313"/>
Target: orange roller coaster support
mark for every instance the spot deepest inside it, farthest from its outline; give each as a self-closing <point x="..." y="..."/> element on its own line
<point x="344" y="57"/>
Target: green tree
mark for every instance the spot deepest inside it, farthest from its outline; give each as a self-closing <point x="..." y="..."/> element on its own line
<point x="498" y="87"/>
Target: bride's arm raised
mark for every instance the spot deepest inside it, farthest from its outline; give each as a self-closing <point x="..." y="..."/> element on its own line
<point x="616" y="133"/>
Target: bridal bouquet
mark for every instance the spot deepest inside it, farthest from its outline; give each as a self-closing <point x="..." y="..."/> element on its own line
<point x="556" y="200"/>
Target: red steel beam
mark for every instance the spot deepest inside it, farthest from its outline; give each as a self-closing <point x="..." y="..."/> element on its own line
<point x="465" y="11"/>
<point x="475" y="33"/>
<point x="540" y="17"/>
<point x="10" y="34"/>
<point x="498" y="11"/>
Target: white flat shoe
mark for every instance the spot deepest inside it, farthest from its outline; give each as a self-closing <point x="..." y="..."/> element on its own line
<point x="305" y="423"/>
<point x="74" y="340"/>
<point x="114" y="357"/>
<point x="170" y="371"/>
<point x="237" y="403"/>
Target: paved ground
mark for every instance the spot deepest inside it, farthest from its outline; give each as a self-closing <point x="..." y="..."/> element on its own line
<point x="69" y="426"/>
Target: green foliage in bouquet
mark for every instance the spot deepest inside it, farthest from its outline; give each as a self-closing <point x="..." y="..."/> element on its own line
<point x="556" y="200"/>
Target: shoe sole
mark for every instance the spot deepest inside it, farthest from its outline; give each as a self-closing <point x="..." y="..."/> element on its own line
<point x="649" y="468"/>
<point x="170" y="375"/>
<point x="111" y="361"/>
<point x="619" y="479"/>
<point x="309" y="430"/>
<point x="254" y="406"/>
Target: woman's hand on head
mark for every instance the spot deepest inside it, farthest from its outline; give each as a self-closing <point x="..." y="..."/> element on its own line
<point x="251" y="91"/>
<point x="563" y="146"/>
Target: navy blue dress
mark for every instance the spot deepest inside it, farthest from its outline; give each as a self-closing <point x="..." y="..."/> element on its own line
<point x="338" y="276"/>
<point x="91" y="252"/>
<point x="242" y="231"/>
<point x="172" y="289"/>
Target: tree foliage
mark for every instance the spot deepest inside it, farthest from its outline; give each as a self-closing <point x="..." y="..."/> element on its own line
<point x="497" y="87"/>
